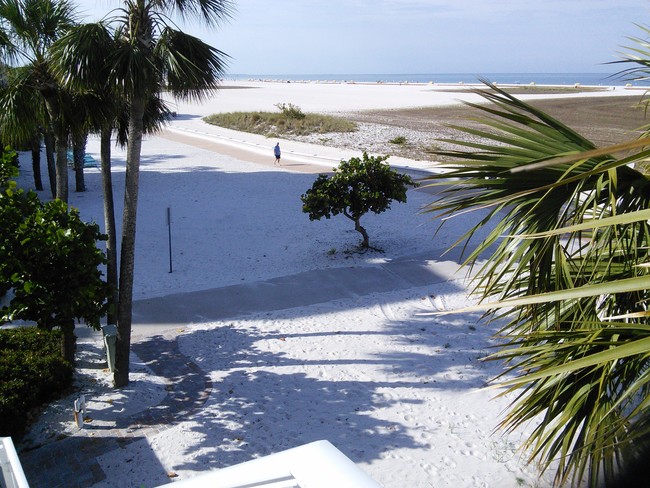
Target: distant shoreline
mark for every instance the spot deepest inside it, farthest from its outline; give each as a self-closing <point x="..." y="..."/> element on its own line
<point x="553" y="79"/>
<point x="423" y="116"/>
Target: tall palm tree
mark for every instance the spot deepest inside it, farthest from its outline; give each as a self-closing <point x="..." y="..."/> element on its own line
<point x="30" y="27"/>
<point x="149" y="55"/>
<point x="108" y="114"/>
<point x="569" y="277"/>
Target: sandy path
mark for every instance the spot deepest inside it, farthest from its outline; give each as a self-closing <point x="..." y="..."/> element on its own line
<point x="288" y="162"/>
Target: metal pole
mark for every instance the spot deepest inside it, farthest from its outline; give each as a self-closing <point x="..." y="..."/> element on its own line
<point x="169" y="233"/>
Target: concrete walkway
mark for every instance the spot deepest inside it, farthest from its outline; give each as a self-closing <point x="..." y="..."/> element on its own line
<point x="71" y="462"/>
<point x="298" y="290"/>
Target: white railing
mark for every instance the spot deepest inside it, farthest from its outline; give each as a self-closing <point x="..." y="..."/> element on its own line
<point x="315" y="465"/>
<point x="11" y="471"/>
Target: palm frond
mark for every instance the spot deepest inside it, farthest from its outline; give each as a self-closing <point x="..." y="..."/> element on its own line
<point x="190" y="67"/>
<point x="212" y="12"/>
<point x="568" y="240"/>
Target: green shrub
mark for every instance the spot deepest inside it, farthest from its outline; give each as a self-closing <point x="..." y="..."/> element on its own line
<point x="358" y="186"/>
<point x="32" y="372"/>
<point x="50" y="260"/>
<point x="399" y="140"/>
<point x="8" y="168"/>
<point x="290" y="111"/>
<point x="281" y="124"/>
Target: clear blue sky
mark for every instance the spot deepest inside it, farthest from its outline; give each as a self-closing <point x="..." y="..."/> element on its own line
<point x="421" y="36"/>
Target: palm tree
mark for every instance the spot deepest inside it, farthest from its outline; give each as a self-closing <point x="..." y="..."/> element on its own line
<point x="22" y="117"/>
<point x="94" y="43"/>
<point x="569" y="280"/>
<point x="149" y="55"/>
<point x="29" y="28"/>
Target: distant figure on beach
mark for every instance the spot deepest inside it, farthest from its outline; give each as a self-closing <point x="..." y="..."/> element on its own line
<point x="277" y="152"/>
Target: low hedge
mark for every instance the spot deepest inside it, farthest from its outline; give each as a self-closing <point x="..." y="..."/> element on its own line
<point x="32" y="372"/>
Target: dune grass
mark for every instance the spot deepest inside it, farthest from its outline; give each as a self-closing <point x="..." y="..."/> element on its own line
<point x="289" y="121"/>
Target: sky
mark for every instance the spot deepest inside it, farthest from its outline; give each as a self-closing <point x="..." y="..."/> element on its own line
<point x="420" y="36"/>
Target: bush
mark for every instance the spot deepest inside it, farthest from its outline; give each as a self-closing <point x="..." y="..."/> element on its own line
<point x="8" y="168"/>
<point x="281" y="124"/>
<point x="357" y="187"/>
<point x="32" y="372"/>
<point x="290" y="111"/>
<point x="50" y="260"/>
<point x="399" y="140"/>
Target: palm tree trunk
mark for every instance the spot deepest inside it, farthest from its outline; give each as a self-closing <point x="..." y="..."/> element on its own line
<point x="61" y="143"/>
<point x="36" y="161"/>
<point x="48" y="137"/>
<point x="109" y="224"/>
<point x="61" y="165"/>
<point x="127" y="252"/>
<point x="78" y="154"/>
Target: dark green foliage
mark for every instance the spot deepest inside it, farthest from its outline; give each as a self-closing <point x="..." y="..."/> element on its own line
<point x="8" y="168"/>
<point x="358" y="186"/>
<point x="50" y="260"/>
<point x="32" y="372"/>
<point x="49" y="257"/>
<point x="565" y="267"/>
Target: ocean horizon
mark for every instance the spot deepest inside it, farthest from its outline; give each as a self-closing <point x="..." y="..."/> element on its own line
<point x="591" y="79"/>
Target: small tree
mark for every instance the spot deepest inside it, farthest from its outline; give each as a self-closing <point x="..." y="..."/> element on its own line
<point x="50" y="260"/>
<point x="357" y="187"/>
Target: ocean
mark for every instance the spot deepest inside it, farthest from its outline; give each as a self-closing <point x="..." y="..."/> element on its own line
<point x="603" y="79"/>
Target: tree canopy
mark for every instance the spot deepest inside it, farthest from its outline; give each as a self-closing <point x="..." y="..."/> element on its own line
<point x="358" y="186"/>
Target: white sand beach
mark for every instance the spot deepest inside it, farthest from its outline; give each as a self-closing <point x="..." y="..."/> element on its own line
<point x="399" y="391"/>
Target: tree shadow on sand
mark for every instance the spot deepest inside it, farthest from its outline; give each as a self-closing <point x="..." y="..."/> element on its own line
<point x="267" y="401"/>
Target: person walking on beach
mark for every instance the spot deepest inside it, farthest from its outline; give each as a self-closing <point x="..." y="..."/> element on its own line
<point x="277" y="152"/>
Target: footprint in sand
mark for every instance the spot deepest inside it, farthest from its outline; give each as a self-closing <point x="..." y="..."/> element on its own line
<point x="448" y="462"/>
<point x="429" y="469"/>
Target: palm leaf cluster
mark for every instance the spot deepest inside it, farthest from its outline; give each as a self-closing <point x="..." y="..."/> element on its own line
<point x="567" y="270"/>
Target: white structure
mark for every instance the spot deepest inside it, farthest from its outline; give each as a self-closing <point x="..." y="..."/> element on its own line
<point x="315" y="465"/>
<point x="11" y="471"/>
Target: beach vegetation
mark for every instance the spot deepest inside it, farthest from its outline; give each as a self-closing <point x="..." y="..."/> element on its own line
<point x="32" y="372"/>
<point x="288" y="121"/>
<point x="358" y="186"/>
<point x="29" y="29"/>
<point x="49" y="263"/>
<point x="22" y="119"/>
<point x="565" y="272"/>
<point x="134" y="57"/>
<point x="398" y="141"/>
<point x="291" y="111"/>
